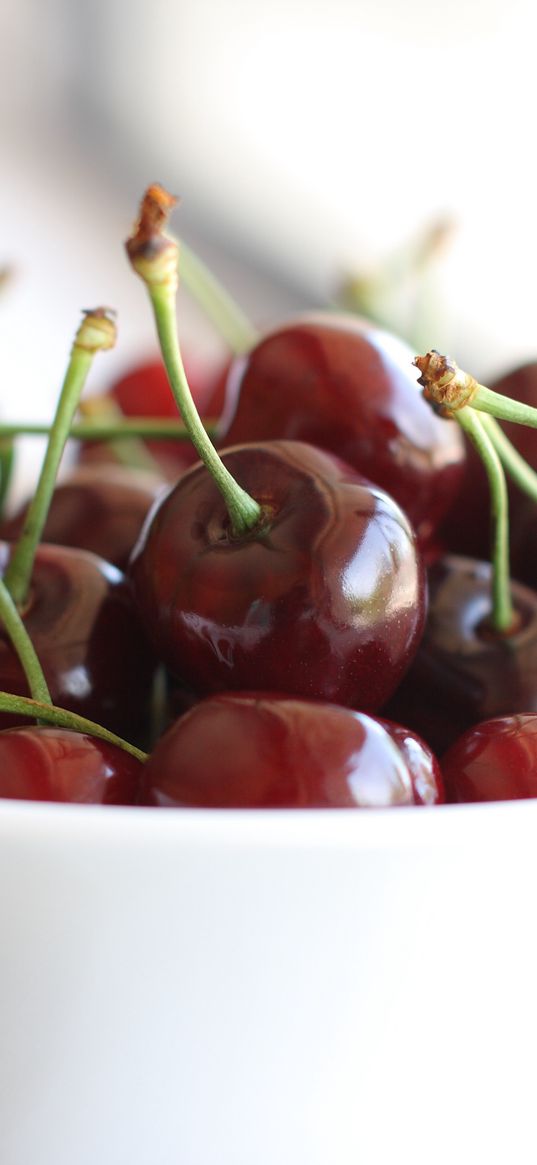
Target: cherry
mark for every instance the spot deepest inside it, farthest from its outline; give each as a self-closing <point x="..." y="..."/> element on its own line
<point x="463" y="671"/>
<point x="494" y="761"/>
<point x="324" y="597"/>
<point x="82" y="622"/>
<point x="348" y="387"/>
<point x="427" y="783"/>
<point x="265" y="751"/>
<point x="97" y="508"/>
<point x="54" y="764"/>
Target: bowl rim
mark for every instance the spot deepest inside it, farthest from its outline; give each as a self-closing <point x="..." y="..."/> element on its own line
<point x="502" y="824"/>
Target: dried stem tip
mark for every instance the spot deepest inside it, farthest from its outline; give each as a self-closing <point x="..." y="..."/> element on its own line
<point x="444" y="383"/>
<point x="153" y="254"/>
<point x="97" y="332"/>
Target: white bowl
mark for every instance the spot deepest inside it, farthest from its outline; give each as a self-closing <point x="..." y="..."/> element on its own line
<point x="271" y="988"/>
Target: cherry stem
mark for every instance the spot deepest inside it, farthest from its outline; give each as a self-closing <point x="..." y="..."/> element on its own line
<point x="23" y="646"/>
<point x="451" y="389"/>
<point x="96" y="331"/>
<point x="218" y="305"/>
<point x="243" y="510"/>
<point x="154" y="257"/>
<point x="514" y="464"/>
<point x="7" y="461"/>
<point x="502" y="608"/>
<point x="157" y="428"/>
<point x="62" y="718"/>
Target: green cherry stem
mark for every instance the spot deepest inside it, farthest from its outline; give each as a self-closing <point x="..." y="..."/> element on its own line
<point x="97" y="331"/>
<point x="514" y="464"/>
<point x="153" y="255"/>
<point x="23" y="646"/>
<point x="451" y="389"/>
<point x="219" y="306"/>
<point x="49" y="714"/>
<point x="151" y="427"/>
<point x="502" y="608"/>
<point x="7" y="461"/>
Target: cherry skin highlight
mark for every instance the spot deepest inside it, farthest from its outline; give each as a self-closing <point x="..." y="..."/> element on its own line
<point x="425" y="774"/>
<point x="54" y="764"/>
<point x="494" y="761"/>
<point x="86" y="632"/>
<point x="247" y="750"/>
<point x="346" y="386"/>
<point x="325" y="599"/>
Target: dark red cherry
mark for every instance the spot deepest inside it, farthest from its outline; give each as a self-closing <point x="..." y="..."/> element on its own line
<point x="348" y="387"/>
<point x="463" y="672"/>
<point x="246" y="750"/>
<point x="86" y="632"/>
<point x="494" y="761"/>
<point x="53" y="764"/>
<point x="325" y="599"/>
<point x="423" y="766"/>
<point x="100" y="508"/>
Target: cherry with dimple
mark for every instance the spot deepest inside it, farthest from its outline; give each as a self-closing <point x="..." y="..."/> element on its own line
<point x="325" y="599"/>
<point x="275" y="566"/>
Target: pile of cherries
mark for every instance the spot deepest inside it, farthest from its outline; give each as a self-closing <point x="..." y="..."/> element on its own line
<point x="292" y="621"/>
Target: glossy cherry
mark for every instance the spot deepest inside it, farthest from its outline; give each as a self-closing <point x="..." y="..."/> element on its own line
<point x="97" y="508"/>
<point x="261" y="750"/>
<point x="463" y="672"/>
<point x="348" y="387"/>
<point x="53" y="764"/>
<point x="494" y="761"/>
<point x="325" y="598"/>
<point x="423" y="766"/>
<point x="87" y="635"/>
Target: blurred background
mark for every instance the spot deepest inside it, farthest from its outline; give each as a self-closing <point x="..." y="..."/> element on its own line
<point x="309" y="142"/>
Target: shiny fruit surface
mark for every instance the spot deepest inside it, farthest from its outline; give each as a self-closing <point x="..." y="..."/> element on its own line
<point x="325" y="598"/>
<point x="494" y="761"/>
<point x="425" y="774"/>
<point x="88" y="639"/>
<point x="53" y="764"/>
<point x="346" y="386"/>
<point x="245" y="750"/>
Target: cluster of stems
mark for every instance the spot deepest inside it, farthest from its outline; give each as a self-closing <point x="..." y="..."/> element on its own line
<point x="456" y="394"/>
<point x="154" y="256"/>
